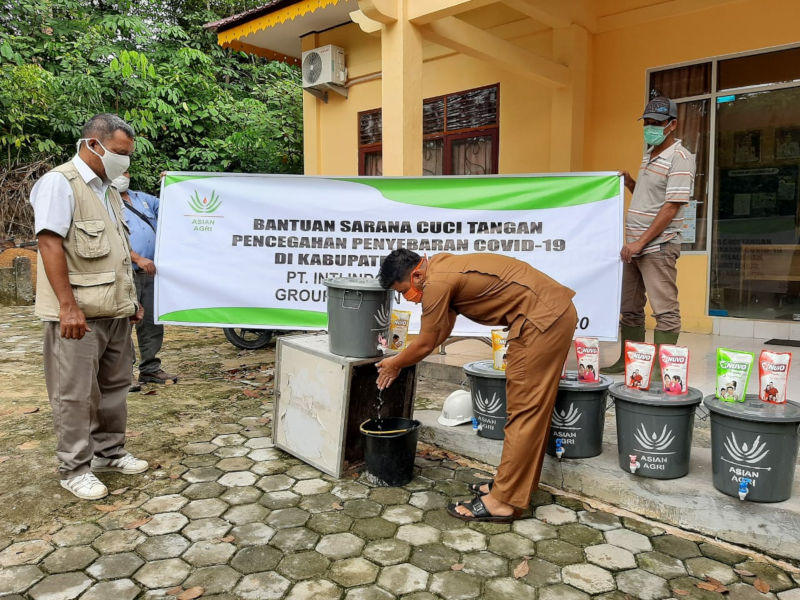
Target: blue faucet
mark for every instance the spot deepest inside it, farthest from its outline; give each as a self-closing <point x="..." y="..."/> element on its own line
<point x="560" y="447"/>
<point x="744" y="487"/>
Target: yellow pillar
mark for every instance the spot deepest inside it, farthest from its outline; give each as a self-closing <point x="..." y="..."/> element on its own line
<point x="312" y="127"/>
<point x="401" y="63"/>
<point x="571" y="48"/>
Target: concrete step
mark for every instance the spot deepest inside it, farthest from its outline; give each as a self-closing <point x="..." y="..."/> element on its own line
<point x="690" y="502"/>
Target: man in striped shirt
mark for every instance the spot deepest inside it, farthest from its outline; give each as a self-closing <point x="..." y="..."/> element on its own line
<point x="653" y="231"/>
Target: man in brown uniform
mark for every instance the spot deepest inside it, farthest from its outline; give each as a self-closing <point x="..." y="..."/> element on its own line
<point x="493" y="290"/>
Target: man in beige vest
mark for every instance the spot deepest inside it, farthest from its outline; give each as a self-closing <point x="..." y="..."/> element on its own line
<point x="87" y="301"/>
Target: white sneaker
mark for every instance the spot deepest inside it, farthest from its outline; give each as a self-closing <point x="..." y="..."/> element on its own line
<point x="127" y="464"/>
<point x="85" y="487"/>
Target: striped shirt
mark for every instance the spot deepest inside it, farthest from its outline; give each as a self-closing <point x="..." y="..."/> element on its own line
<point x="668" y="177"/>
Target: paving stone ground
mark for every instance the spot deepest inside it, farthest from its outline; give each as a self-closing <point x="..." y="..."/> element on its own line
<point x="284" y="537"/>
<point x="246" y="521"/>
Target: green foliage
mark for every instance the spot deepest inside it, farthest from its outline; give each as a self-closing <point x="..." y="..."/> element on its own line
<point x="194" y="105"/>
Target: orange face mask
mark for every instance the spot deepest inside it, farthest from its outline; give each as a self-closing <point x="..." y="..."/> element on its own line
<point x="414" y="294"/>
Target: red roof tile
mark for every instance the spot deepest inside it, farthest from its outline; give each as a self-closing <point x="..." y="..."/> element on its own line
<point x="249" y="15"/>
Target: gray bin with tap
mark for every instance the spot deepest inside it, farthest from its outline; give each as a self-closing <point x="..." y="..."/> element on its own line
<point x="578" y="417"/>
<point x="359" y="315"/>
<point x="753" y="447"/>
<point x="488" y="391"/>
<point x="654" y="430"/>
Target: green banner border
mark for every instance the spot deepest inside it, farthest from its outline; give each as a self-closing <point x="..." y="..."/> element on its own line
<point x="170" y="179"/>
<point x="495" y="193"/>
<point x="255" y="316"/>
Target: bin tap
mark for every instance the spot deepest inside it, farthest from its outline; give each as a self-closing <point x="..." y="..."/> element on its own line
<point x="634" y="466"/>
<point x="476" y="427"/>
<point x="559" y="447"/>
<point x="744" y="487"/>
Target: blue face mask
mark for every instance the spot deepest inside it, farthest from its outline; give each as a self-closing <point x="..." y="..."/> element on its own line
<point x="654" y="134"/>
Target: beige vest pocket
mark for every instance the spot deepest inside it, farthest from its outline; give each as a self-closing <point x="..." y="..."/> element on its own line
<point x="90" y="239"/>
<point x="94" y="292"/>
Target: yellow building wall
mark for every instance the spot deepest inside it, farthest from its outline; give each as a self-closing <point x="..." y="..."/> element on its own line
<point x="620" y="61"/>
<point x="524" y="108"/>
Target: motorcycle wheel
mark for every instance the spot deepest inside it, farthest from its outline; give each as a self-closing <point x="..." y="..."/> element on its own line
<point x="248" y="339"/>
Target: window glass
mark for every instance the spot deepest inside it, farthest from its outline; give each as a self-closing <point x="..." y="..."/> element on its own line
<point x="473" y="155"/>
<point x="433" y="116"/>
<point x="682" y="82"/>
<point x="443" y="153"/>
<point x="433" y="157"/>
<point x="694" y="123"/>
<point x="373" y="163"/>
<point x="755" y="257"/>
<point x="476" y="108"/>
<point x="370" y="128"/>
<point x="758" y="69"/>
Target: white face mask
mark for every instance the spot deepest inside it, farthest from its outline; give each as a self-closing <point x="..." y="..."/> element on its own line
<point x="114" y="164"/>
<point x="121" y="183"/>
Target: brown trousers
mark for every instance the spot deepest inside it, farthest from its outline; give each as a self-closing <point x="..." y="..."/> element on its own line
<point x="656" y="275"/>
<point x="87" y="382"/>
<point x="533" y="371"/>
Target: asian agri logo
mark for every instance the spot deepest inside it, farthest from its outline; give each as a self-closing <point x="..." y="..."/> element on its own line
<point x="206" y="205"/>
<point x="202" y="219"/>
<point x="485" y="406"/>
<point x="382" y="318"/>
<point x="653" y="442"/>
<point x="565" y="418"/>
<point x="749" y="454"/>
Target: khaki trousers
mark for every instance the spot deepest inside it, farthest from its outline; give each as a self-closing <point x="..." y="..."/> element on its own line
<point x="654" y="274"/>
<point x="87" y="382"/>
<point x="533" y="371"/>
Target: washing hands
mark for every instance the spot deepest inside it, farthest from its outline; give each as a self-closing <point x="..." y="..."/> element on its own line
<point x="387" y="373"/>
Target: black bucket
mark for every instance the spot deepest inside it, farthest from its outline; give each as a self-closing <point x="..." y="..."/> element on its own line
<point x="654" y="430"/>
<point x="578" y="420"/>
<point x="488" y="390"/>
<point x="391" y="445"/>
<point x="753" y="448"/>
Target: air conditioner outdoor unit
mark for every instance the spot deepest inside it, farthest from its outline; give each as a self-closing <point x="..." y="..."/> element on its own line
<point x="324" y="69"/>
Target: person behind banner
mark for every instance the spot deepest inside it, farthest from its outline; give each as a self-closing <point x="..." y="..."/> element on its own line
<point x="86" y="297"/>
<point x="498" y="291"/>
<point x="141" y="214"/>
<point x="653" y="232"/>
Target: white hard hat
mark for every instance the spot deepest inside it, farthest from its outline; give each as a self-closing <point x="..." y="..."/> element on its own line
<point x="457" y="409"/>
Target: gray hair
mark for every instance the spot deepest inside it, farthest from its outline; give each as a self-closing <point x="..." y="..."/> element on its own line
<point x="104" y="125"/>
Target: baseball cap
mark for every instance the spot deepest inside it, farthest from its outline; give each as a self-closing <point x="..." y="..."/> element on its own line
<point x="660" y="108"/>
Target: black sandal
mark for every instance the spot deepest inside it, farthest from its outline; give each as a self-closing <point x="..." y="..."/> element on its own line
<point x="475" y="488"/>
<point x="479" y="512"/>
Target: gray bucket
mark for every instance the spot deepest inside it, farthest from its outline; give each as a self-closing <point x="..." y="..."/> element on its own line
<point x="359" y="315"/>
<point x="488" y="391"/>
<point x="654" y="430"/>
<point x="576" y="426"/>
<point x="753" y="448"/>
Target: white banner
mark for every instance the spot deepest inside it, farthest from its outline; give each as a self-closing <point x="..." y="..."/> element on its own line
<point x="252" y="250"/>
